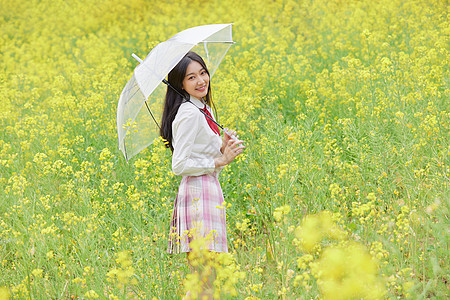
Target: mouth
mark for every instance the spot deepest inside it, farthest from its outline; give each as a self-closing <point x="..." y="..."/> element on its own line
<point x="202" y="88"/>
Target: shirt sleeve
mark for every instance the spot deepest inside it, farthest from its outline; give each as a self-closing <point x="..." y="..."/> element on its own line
<point x="185" y="128"/>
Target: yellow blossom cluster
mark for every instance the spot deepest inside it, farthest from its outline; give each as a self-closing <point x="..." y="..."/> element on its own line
<point x="314" y="228"/>
<point x="123" y="275"/>
<point x="343" y="269"/>
<point x="280" y="212"/>
<point x="215" y="274"/>
<point x="347" y="271"/>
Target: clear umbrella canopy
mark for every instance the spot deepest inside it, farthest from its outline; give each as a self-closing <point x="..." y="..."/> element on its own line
<point x="141" y="103"/>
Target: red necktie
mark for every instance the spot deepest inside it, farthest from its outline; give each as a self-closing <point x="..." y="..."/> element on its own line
<point x="211" y="124"/>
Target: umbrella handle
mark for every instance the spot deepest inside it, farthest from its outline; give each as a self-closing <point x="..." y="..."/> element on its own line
<point x="231" y="135"/>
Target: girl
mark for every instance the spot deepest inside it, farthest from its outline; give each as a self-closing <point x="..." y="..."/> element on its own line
<point x="198" y="154"/>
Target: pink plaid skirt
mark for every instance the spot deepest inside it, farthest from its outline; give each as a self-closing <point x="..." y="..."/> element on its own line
<point x="198" y="212"/>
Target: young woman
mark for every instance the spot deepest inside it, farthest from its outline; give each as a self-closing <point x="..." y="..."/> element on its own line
<point x="199" y="153"/>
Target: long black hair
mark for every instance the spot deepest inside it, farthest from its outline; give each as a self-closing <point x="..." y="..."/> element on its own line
<point x="173" y="99"/>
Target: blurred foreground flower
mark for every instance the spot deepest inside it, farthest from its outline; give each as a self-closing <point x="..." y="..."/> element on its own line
<point x="208" y="265"/>
<point x="348" y="271"/>
<point x="4" y="293"/>
<point x="316" y="227"/>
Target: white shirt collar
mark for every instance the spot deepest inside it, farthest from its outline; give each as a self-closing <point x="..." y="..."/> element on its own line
<point x="197" y="102"/>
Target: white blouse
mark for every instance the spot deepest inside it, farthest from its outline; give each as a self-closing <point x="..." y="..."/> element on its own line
<point x="195" y="144"/>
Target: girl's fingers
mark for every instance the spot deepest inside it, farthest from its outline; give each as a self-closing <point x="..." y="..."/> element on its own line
<point x="231" y="142"/>
<point x="234" y="142"/>
<point x="238" y="150"/>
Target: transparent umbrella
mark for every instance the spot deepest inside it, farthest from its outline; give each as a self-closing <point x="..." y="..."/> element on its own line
<point x="141" y="103"/>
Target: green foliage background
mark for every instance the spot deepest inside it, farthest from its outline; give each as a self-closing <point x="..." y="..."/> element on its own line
<point x="343" y="105"/>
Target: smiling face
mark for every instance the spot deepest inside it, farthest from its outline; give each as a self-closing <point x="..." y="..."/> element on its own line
<point x="196" y="80"/>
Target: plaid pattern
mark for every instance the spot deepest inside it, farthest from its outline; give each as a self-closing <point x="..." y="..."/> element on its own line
<point x="198" y="211"/>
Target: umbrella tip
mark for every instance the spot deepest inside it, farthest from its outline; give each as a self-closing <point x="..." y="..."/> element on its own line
<point x="137" y="58"/>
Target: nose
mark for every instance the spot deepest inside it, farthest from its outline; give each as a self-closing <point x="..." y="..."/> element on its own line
<point x="200" y="80"/>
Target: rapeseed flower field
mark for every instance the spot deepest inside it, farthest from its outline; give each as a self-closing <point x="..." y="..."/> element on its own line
<point x="342" y="192"/>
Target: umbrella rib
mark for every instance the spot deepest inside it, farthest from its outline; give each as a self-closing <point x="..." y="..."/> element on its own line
<point x="125" y="148"/>
<point x="207" y="53"/>
<point x="129" y="91"/>
<point x="152" y="115"/>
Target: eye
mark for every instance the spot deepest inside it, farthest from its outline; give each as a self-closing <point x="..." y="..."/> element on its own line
<point x="191" y="77"/>
<point x="203" y="72"/>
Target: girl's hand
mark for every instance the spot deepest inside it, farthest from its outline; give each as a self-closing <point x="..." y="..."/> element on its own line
<point x="230" y="150"/>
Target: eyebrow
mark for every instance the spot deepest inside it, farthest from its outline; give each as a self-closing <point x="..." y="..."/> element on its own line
<point x="193" y="73"/>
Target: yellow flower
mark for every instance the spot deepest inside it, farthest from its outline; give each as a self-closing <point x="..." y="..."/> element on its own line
<point x="37" y="272"/>
<point x="316" y="227"/>
<point x="123" y="275"/>
<point x="91" y="294"/>
<point x="280" y="212"/>
<point x="348" y="272"/>
<point x="4" y="293"/>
